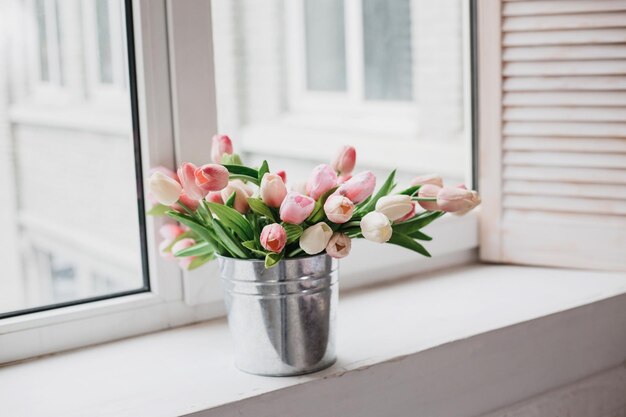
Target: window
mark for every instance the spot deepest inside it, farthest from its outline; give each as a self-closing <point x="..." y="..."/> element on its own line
<point x="48" y="39"/>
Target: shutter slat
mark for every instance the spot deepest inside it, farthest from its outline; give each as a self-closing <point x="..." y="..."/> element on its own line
<point x="586" y="175"/>
<point x="580" y="83"/>
<point x="535" y="8"/>
<point x="563" y="53"/>
<point x="567" y="68"/>
<point x="578" y="21"/>
<point x="563" y="114"/>
<point x="582" y="144"/>
<point x="565" y="204"/>
<point x="580" y="219"/>
<point x="565" y="37"/>
<point x="564" y="159"/>
<point x="565" y="98"/>
<point x="565" y="129"/>
<point x="611" y="192"/>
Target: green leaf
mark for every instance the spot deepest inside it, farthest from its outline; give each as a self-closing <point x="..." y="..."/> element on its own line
<point x="177" y="238"/>
<point x="318" y="211"/>
<point x="408" y="242"/>
<point x="200" y="260"/>
<point x="420" y="236"/>
<point x="251" y="245"/>
<point x="411" y="190"/>
<point x="416" y="223"/>
<point x="293" y="232"/>
<point x="384" y="190"/>
<point x="263" y="170"/>
<point x="200" y="229"/>
<point x="272" y="259"/>
<point x="230" y="201"/>
<point x="261" y="208"/>
<point x="243" y="172"/>
<point x="158" y="210"/>
<point x="232" y="219"/>
<point x="202" y="248"/>
<point x="231" y="244"/>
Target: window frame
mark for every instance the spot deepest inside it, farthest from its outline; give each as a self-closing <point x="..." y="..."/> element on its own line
<point x="174" y="62"/>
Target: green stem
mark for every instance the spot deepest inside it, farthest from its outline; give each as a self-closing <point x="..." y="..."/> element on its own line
<point x="424" y="198"/>
<point x="187" y="209"/>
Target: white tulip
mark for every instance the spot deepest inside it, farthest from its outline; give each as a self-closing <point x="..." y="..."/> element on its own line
<point x="166" y="190"/>
<point x="315" y="238"/>
<point x="394" y="206"/>
<point x="376" y="227"/>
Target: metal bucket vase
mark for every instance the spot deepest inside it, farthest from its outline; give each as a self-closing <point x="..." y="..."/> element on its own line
<point x="282" y="319"/>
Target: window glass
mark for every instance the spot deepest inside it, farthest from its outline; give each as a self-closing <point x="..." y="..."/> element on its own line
<point x="104" y="41"/>
<point x="68" y="178"/>
<point x="387" y="54"/>
<point x="325" y="45"/>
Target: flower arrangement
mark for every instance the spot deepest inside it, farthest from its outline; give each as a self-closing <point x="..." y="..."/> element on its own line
<point x="232" y="210"/>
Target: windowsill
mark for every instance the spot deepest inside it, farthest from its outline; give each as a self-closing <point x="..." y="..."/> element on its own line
<point x="473" y="338"/>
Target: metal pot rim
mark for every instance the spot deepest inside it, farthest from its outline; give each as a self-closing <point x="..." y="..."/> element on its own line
<point x="262" y="261"/>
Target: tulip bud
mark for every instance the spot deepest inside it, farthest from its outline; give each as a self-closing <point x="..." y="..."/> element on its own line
<point x="165" y="171"/>
<point x="241" y="196"/>
<point x="359" y="187"/>
<point x="338" y="209"/>
<point x="315" y="238"/>
<point x="345" y="160"/>
<point x="322" y="179"/>
<point x="186" y="174"/>
<point x="214" y="197"/>
<point x="376" y="227"/>
<point x="457" y="200"/>
<point x="170" y="231"/>
<point x="184" y="262"/>
<point x="432" y="179"/>
<point x="273" y="237"/>
<point x="296" y="208"/>
<point x="221" y="144"/>
<point x="283" y="175"/>
<point x="211" y="177"/>
<point x="339" y="245"/>
<point x="429" y="191"/>
<point x="273" y="190"/>
<point x="343" y="178"/>
<point x="409" y="215"/>
<point x="394" y="206"/>
<point x="165" y="189"/>
<point x="190" y="203"/>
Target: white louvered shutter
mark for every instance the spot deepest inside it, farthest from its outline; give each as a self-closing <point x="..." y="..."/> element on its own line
<point x="552" y="127"/>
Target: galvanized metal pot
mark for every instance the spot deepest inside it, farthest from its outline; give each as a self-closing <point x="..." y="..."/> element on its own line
<point x="282" y="319"/>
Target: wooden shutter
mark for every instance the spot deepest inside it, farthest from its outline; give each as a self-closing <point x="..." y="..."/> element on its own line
<point x="552" y="132"/>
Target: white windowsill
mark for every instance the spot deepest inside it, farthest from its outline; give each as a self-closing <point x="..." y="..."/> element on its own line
<point x="473" y="338"/>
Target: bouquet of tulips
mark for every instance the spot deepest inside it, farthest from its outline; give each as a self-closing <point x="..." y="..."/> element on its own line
<point x="232" y="210"/>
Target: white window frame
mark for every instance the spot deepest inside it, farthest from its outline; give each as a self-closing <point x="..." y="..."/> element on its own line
<point x="177" y="114"/>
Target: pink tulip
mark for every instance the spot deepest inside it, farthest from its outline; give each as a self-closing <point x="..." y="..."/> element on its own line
<point x="166" y="254"/>
<point x="462" y="186"/>
<point x="170" y="231"/>
<point x="211" y="177"/>
<point x="241" y="196"/>
<point x="345" y="160"/>
<point x="296" y="208"/>
<point x="190" y="203"/>
<point x="339" y="245"/>
<point x="184" y="262"/>
<point x="338" y="209"/>
<point x="186" y="173"/>
<point x="457" y="200"/>
<point x="283" y="175"/>
<point x="429" y="191"/>
<point x="214" y="197"/>
<point x="359" y="187"/>
<point x="322" y="179"/>
<point x="343" y="178"/>
<point x="273" y="190"/>
<point x="273" y="237"/>
<point x="409" y="215"/>
<point x="221" y="144"/>
<point x="433" y="179"/>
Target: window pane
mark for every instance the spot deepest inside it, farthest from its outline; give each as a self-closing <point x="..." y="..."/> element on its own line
<point x="70" y="229"/>
<point x="104" y="41"/>
<point x="42" y="39"/>
<point x="387" y="49"/>
<point x="325" y="45"/>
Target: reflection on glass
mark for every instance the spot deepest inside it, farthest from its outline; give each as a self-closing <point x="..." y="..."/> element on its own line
<point x="325" y="45"/>
<point x="68" y="217"/>
<point x="387" y="49"/>
<point x="104" y="41"/>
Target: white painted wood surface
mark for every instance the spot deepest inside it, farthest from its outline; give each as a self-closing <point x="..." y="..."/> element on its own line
<point x="462" y="342"/>
<point x="561" y="138"/>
